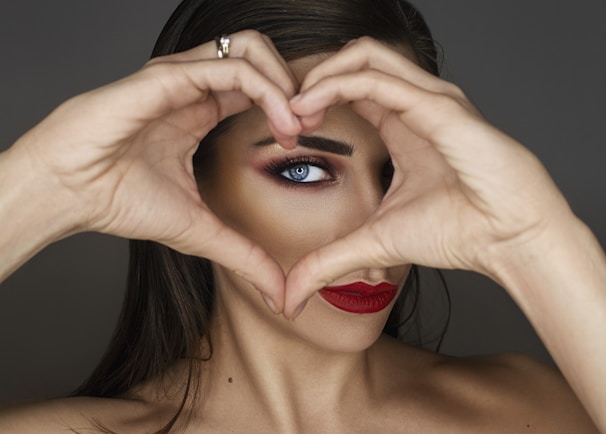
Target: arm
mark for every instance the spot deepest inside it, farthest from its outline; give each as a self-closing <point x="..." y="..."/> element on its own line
<point x="559" y="281"/>
<point x="118" y="159"/>
<point x="31" y="214"/>
<point x="466" y="196"/>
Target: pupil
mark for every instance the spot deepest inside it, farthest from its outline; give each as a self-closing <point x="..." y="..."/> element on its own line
<point x="298" y="173"/>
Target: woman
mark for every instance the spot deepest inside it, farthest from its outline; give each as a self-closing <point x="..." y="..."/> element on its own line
<point x="319" y="123"/>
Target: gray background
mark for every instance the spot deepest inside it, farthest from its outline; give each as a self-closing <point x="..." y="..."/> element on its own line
<point x="535" y="69"/>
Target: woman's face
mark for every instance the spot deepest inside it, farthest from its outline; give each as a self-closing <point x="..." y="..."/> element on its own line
<point x="293" y="201"/>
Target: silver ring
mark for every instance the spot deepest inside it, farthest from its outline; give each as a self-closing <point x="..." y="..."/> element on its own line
<point x="223" y="46"/>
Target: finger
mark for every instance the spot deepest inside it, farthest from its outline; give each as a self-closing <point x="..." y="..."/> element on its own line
<point x="438" y="118"/>
<point x="162" y="88"/>
<point x="230" y="103"/>
<point x="286" y="66"/>
<point x="250" y="45"/>
<point x="230" y="75"/>
<point x="471" y="147"/>
<point x="328" y="263"/>
<point x="367" y="53"/>
<point x="283" y="124"/>
<point x="208" y="237"/>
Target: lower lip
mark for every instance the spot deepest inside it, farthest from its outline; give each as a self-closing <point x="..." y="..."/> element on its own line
<point x="360" y="297"/>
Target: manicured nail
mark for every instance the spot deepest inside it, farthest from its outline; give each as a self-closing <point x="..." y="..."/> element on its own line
<point x="270" y="303"/>
<point x="299" y="310"/>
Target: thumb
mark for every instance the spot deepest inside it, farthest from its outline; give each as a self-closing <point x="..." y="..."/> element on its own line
<point x="234" y="251"/>
<point x="323" y="266"/>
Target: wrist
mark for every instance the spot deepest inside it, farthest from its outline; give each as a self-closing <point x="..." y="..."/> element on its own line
<point x="33" y="212"/>
<point x="559" y="282"/>
<point x="567" y="247"/>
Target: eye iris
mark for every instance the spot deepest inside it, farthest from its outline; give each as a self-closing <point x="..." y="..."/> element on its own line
<point x="299" y="173"/>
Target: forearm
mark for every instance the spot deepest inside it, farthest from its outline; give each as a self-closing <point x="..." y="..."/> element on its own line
<point x="560" y="283"/>
<point x="32" y="215"/>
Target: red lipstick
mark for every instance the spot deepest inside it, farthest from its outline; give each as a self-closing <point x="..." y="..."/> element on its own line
<point x="360" y="297"/>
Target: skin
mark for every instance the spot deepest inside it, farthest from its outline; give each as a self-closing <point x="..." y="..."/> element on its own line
<point x="326" y="371"/>
<point x="294" y="219"/>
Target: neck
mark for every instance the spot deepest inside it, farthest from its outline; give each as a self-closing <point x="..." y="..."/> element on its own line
<point x="265" y="365"/>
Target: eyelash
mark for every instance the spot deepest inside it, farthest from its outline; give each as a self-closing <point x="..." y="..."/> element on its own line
<point x="276" y="168"/>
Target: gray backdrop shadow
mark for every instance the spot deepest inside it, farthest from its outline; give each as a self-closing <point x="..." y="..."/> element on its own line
<point x="535" y="69"/>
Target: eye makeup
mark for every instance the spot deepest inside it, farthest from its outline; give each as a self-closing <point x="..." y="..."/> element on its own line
<point x="303" y="171"/>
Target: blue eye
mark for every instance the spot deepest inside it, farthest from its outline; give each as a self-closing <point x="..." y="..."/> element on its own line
<point x="303" y="172"/>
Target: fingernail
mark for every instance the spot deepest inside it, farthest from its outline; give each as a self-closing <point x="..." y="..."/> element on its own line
<point x="299" y="310"/>
<point x="270" y="303"/>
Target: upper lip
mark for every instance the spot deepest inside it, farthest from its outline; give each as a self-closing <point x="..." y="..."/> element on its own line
<point x="363" y="288"/>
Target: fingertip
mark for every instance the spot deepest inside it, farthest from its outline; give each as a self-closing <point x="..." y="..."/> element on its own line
<point x="299" y="310"/>
<point x="286" y="138"/>
<point x="310" y="118"/>
<point x="322" y="267"/>
<point x="311" y="78"/>
<point x="247" y="260"/>
<point x="271" y="283"/>
<point x="300" y="100"/>
<point x="311" y="123"/>
<point x="270" y="304"/>
<point x="297" y="98"/>
<point x="287" y="142"/>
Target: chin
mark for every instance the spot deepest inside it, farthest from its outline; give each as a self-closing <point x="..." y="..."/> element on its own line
<point x="321" y="326"/>
<point x="333" y="330"/>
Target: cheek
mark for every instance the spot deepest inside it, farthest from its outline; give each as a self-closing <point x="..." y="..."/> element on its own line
<point x="287" y="222"/>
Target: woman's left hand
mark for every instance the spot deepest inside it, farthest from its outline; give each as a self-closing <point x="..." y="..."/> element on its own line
<point x="463" y="193"/>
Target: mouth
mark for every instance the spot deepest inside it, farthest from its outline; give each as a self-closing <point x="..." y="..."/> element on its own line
<point x="360" y="297"/>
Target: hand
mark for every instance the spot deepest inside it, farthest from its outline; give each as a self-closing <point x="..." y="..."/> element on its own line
<point x="120" y="157"/>
<point x="462" y="191"/>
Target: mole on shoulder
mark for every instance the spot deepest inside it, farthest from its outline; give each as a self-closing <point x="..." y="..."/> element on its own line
<point x="231" y="380"/>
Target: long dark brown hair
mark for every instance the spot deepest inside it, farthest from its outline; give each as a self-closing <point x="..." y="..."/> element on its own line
<point x="169" y="300"/>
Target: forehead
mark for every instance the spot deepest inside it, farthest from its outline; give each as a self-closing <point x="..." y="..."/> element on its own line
<point x="300" y="67"/>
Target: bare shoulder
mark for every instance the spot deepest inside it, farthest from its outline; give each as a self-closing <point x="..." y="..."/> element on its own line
<point x="496" y="393"/>
<point x="520" y="390"/>
<point x="79" y="415"/>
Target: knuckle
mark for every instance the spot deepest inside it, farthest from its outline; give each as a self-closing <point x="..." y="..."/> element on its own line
<point x="267" y="39"/>
<point x="366" y="42"/>
<point x="446" y="102"/>
<point x="371" y="80"/>
<point x="158" y="68"/>
<point x="243" y="73"/>
<point x="251" y="33"/>
<point x="250" y="36"/>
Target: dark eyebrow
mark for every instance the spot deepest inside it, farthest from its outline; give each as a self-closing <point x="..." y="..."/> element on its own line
<point x="316" y="142"/>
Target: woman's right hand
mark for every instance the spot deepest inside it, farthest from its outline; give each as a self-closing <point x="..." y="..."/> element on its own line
<point x="120" y="157"/>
